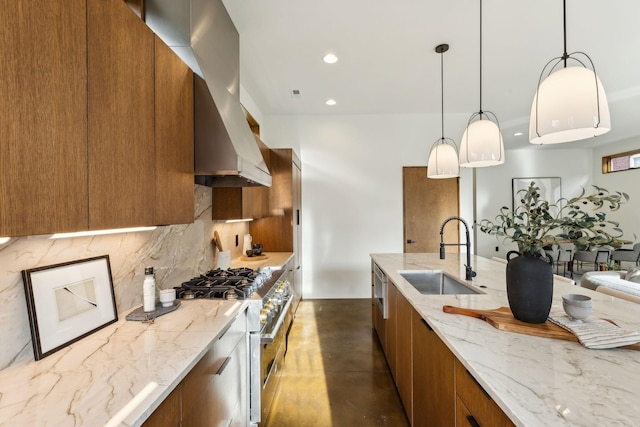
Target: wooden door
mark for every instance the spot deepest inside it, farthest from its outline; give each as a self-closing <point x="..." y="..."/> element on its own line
<point x="427" y="203"/>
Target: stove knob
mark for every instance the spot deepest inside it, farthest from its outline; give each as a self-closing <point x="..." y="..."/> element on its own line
<point x="264" y="314"/>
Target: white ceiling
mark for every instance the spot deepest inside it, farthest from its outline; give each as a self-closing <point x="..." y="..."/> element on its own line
<point x="387" y="62"/>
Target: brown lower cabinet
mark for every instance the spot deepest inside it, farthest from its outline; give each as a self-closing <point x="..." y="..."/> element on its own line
<point x="404" y="368"/>
<point x="434" y="387"/>
<point x="433" y="377"/>
<point x="169" y="413"/>
<point x="476" y="408"/>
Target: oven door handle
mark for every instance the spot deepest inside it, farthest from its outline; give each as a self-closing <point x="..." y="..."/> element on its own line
<point x="268" y="338"/>
<point x="255" y="382"/>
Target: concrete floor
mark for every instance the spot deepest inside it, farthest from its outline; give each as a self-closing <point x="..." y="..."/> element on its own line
<point x="335" y="373"/>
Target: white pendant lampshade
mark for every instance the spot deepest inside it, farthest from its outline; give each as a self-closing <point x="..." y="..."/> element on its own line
<point x="443" y="157"/>
<point x="569" y="105"/>
<point x="481" y="145"/>
<point x="443" y="160"/>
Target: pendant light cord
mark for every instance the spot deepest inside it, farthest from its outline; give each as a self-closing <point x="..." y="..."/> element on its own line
<point x="565" y="56"/>
<point x="442" y="93"/>
<point x="480" y="59"/>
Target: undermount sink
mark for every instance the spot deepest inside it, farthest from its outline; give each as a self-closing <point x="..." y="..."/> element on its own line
<point x="435" y="282"/>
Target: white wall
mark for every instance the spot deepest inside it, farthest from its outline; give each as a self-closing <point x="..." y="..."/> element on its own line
<point x="626" y="182"/>
<point x="352" y="190"/>
<point x="573" y="166"/>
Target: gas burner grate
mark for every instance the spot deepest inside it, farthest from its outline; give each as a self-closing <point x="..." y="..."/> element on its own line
<point x="233" y="283"/>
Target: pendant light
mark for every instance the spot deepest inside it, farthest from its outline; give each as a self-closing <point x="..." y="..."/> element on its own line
<point x="482" y="143"/>
<point x="570" y="104"/>
<point x="443" y="157"/>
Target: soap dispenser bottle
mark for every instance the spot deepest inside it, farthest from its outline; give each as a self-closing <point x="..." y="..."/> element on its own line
<point x="149" y="290"/>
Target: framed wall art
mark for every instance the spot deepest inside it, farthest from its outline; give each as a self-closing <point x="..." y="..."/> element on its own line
<point x="550" y="189"/>
<point x="67" y="302"/>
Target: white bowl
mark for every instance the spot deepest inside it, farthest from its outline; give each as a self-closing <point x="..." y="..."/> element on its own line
<point x="167" y="297"/>
<point x="577" y="306"/>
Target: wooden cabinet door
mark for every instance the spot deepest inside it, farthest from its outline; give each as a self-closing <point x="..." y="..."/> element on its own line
<point x="173" y="138"/>
<point x="121" y="117"/>
<point x="392" y="327"/>
<point x="43" y="117"/>
<point x="169" y="413"/>
<point x="404" y="359"/>
<point x="479" y="405"/>
<point x="433" y="377"/>
<point x="463" y="416"/>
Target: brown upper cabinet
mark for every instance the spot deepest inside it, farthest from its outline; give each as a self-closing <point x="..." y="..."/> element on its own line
<point x="94" y="123"/>
<point x="43" y="117"/>
<point x="121" y="117"/>
<point x="174" y="138"/>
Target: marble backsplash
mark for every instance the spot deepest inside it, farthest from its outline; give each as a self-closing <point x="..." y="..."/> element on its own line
<point x="177" y="253"/>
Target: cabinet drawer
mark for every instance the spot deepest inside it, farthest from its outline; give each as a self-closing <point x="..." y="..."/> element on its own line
<point x="200" y="385"/>
<point x="230" y="389"/>
<point x="463" y="414"/>
<point x="478" y="403"/>
<point x="229" y="339"/>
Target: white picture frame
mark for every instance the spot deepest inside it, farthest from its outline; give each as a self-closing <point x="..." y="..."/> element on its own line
<point x="550" y="189"/>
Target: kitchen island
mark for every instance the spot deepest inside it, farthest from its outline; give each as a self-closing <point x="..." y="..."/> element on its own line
<point x="535" y="381"/>
<point x="119" y="375"/>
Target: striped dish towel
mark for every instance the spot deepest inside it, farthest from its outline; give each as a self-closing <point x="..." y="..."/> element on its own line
<point x="595" y="333"/>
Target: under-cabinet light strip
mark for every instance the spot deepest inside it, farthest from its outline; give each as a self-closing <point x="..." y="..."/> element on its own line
<point x="100" y="232"/>
<point x="229" y="221"/>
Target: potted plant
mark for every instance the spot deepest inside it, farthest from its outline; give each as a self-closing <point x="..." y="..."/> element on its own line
<point x="536" y="223"/>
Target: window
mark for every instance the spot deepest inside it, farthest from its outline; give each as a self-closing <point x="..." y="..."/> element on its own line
<point x="621" y="161"/>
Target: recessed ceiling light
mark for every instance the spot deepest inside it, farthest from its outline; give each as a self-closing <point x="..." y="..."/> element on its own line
<point x="330" y="58"/>
<point x="331" y="102"/>
<point x="518" y="134"/>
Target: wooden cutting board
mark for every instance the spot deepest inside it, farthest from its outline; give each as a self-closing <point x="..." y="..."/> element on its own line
<point x="502" y="318"/>
<point x="253" y="258"/>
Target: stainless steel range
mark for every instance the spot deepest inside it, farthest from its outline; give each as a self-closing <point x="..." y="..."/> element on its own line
<point x="269" y="296"/>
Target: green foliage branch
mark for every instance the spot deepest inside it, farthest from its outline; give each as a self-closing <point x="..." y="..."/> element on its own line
<point x="536" y="223"/>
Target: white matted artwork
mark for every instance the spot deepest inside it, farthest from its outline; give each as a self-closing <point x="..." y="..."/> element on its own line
<point x="67" y="302"/>
<point x="550" y="189"/>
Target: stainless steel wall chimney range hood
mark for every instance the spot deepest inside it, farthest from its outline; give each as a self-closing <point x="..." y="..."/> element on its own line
<point x="203" y="35"/>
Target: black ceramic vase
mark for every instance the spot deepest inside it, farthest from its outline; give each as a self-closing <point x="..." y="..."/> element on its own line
<point x="529" y="287"/>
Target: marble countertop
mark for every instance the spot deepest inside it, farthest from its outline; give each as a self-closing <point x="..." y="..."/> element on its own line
<point x="536" y="381"/>
<point x="120" y="374"/>
<point x="116" y="376"/>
